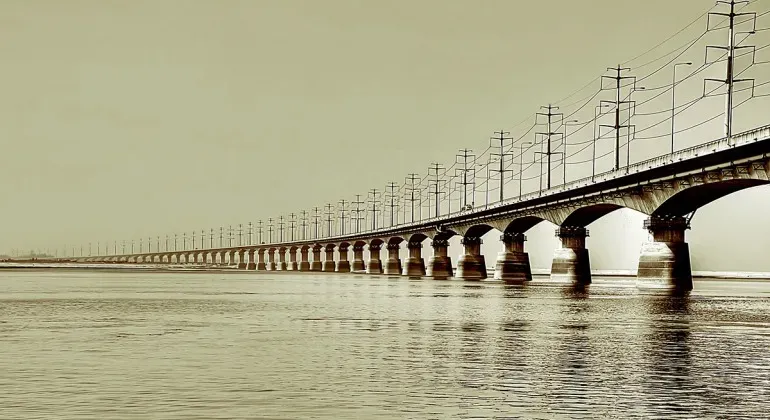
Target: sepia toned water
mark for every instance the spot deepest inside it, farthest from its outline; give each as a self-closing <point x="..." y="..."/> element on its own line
<point x="140" y="345"/>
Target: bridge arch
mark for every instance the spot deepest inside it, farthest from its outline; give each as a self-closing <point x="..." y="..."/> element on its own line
<point x="690" y="199"/>
<point x="522" y="224"/>
<point x="477" y="231"/>
<point x="584" y="216"/>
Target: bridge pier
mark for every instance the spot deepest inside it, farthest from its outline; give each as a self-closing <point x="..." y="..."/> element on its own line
<point x="440" y="264"/>
<point x="666" y="260"/>
<point x="375" y="265"/>
<point x="472" y="265"/>
<point x="414" y="266"/>
<point x="261" y="266"/>
<point x="304" y="262"/>
<point x="242" y="259"/>
<point x="316" y="265"/>
<point x="393" y="264"/>
<point x="358" y="258"/>
<point x="252" y="264"/>
<point x="571" y="262"/>
<point x="513" y="263"/>
<point x="223" y="258"/>
<point x="292" y="264"/>
<point x="328" y="264"/>
<point x="343" y="265"/>
<point x="271" y="259"/>
<point x="232" y="258"/>
<point x="281" y="259"/>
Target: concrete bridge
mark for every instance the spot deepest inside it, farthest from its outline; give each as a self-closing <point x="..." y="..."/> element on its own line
<point x="669" y="189"/>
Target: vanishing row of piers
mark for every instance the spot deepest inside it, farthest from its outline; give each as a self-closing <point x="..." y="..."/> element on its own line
<point x="665" y="259"/>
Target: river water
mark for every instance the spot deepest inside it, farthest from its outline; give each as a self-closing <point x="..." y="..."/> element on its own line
<point x="141" y="345"/>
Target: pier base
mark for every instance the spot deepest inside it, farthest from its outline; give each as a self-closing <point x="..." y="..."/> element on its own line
<point x="513" y="264"/>
<point x="665" y="262"/>
<point x="328" y="264"/>
<point x="570" y="262"/>
<point x="304" y="263"/>
<point x="393" y="264"/>
<point x="414" y="266"/>
<point x="343" y="265"/>
<point x="472" y="265"/>
<point x="440" y="265"/>
<point x="316" y="264"/>
<point x="241" y="259"/>
<point x="358" y="258"/>
<point x="375" y="265"/>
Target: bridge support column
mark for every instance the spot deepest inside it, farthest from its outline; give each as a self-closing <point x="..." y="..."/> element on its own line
<point x="666" y="261"/>
<point x="414" y="266"/>
<point x="328" y="264"/>
<point x="358" y="258"/>
<point x="232" y="258"/>
<point x="440" y="264"/>
<point x="571" y="262"/>
<point x="292" y="264"/>
<point x="513" y="263"/>
<point x="304" y="261"/>
<point x="252" y="265"/>
<point x="281" y="252"/>
<point x="393" y="264"/>
<point x="316" y="265"/>
<point x="343" y="265"/>
<point x="223" y="258"/>
<point x="242" y="259"/>
<point x="375" y="265"/>
<point x="261" y="266"/>
<point x="271" y="260"/>
<point x="472" y="265"/>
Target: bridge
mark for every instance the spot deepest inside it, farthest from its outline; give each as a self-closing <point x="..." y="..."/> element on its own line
<point x="669" y="189"/>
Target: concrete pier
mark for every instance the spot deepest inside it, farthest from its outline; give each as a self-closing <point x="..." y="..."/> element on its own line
<point x="232" y="258"/>
<point x="328" y="264"/>
<point x="393" y="264"/>
<point x="665" y="262"/>
<point x="261" y="266"/>
<point x="316" y="264"/>
<point x="252" y="265"/>
<point x="223" y="258"/>
<point x="241" y="259"/>
<point x="375" y="265"/>
<point x="343" y="265"/>
<point x="358" y="258"/>
<point x="304" y="262"/>
<point x="440" y="264"/>
<point x="281" y="259"/>
<point x="513" y="263"/>
<point x="414" y="266"/>
<point x="472" y="265"/>
<point x="291" y="265"/>
<point x="271" y="259"/>
<point x="571" y="262"/>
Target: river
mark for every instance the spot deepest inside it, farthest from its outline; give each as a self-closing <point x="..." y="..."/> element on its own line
<point x="215" y="345"/>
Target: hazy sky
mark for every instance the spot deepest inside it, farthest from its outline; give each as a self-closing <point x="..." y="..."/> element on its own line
<point x="129" y="119"/>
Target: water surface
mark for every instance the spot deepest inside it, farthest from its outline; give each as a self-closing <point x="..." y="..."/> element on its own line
<point x="135" y="345"/>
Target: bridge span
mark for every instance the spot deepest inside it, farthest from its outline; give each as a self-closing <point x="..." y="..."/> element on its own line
<point x="669" y="189"/>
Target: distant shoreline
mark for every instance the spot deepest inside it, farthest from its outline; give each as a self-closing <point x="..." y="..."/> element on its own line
<point x="735" y="275"/>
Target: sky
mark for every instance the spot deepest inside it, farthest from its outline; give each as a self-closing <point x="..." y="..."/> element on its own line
<point x="126" y="120"/>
